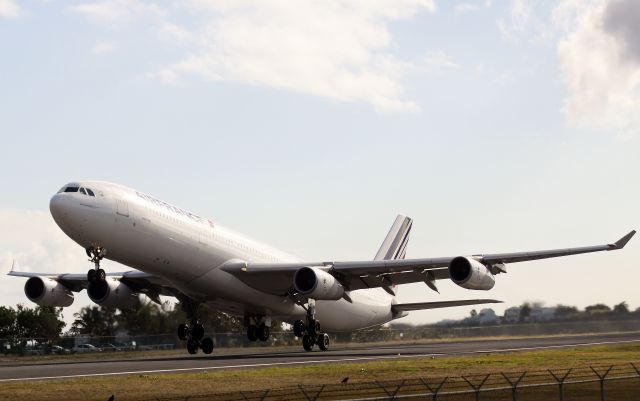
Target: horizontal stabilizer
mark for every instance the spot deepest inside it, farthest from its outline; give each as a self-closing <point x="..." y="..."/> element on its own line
<point x="441" y="304"/>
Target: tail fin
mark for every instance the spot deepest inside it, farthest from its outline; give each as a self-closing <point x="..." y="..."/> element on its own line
<point x="394" y="245"/>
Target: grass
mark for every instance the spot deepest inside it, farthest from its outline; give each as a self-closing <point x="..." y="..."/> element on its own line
<point x="137" y="387"/>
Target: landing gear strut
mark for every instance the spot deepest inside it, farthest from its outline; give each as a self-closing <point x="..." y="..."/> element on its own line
<point x="96" y="254"/>
<point x="310" y="332"/>
<point x="193" y="333"/>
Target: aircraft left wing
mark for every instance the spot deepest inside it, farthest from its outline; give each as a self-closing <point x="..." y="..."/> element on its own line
<point x="277" y="278"/>
<point x="442" y="304"/>
<point x="138" y="281"/>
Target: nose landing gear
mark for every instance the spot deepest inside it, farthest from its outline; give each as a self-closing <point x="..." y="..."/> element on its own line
<point x="310" y="332"/>
<point x="96" y="254"/>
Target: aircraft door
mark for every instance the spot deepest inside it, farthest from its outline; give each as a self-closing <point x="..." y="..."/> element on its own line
<point x="122" y="208"/>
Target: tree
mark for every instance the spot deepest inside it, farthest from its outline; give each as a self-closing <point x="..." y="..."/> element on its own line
<point x="565" y="312"/>
<point x="473" y="313"/>
<point x="7" y="323"/>
<point x="525" y="312"/>
<point x="43" y="323"/>
<point x="622" y="308"/>
<point x="597" y="309"/>
<point x="95" y="321"/>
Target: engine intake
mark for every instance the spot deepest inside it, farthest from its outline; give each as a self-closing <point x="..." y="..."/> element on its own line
<point x="47" y="292"/>
<point x="113" y="293"/>
<point x="470" y="274"/>
<point x="317" y="284"/>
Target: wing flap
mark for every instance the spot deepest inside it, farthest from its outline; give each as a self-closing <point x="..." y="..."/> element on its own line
<point x="440" y="304"/>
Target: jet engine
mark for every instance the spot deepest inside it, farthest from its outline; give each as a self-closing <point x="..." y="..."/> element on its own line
<point x="470" y="274"/>
<point x="317" y="284"/>
<point x="46" y="291"/>
<point x="112" y="293"/>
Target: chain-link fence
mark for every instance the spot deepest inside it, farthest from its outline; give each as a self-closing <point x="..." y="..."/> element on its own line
<point x="591" y="383"/>
<point x="123" y="342"/>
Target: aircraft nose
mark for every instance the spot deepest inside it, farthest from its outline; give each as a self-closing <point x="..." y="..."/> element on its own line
<point x="59" y="208"/>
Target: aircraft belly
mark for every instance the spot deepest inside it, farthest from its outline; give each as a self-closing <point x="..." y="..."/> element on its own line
<point x="365" y="311"/>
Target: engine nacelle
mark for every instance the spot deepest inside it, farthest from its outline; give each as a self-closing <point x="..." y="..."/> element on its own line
<point x="317" y="284"/>
<point x="113" y="293"/>
<point x="470" y="274"/>
<point x="46" y="291"/>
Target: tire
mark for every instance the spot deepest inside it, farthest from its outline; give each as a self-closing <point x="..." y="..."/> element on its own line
<point x="197" y="332"/>
<point x="323" y="341"/>
<point x="101" y="275"/>
<point x="91" y="275"/>
<point x="263" y="332"/>
<point x="183" y="332"/>
<point x="207" y="345"/>
<point x="314" y="328"/>
<point x="299" y="328"/>
<point x="252" y="333"/>
<point x="192" y="347"/>
<point x="307" y="343"/>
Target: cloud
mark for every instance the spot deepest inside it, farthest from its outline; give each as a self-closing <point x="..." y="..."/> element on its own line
<point x="103" y="47"/>
<point x="338" y="49"/>
<point x="599" y="61"/>
<point x="469" y="7"/>
<point x="10" y="9"/>
<point x="117" y="12"/>
<point x="440" y="59"/>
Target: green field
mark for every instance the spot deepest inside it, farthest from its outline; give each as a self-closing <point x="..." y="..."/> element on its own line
<point x="136" y="387"/>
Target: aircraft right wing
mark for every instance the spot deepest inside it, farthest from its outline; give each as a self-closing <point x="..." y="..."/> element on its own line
<point x="441" y="304"/>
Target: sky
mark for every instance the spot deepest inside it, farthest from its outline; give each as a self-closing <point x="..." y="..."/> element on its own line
<point x="497" y="126"/>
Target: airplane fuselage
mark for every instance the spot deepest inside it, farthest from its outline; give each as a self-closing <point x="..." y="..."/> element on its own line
<point x="187" y="250"/>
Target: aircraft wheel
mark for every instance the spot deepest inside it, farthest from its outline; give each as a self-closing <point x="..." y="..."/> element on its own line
<point x="101" y="275"/>
<point x="91" y="275"/>
<point x="307" y="342"/>
<point x="207" y="345"/>
<point x="192" y="347"/>
<point x="314" y="327"/>
<point x="323" y="341"/>
<point x="252" y="332"/>
<point x="197" y="332"/>
<point x="183" y="332"/>
<point x="299" y="328"/>
<point x="263" y="332"/>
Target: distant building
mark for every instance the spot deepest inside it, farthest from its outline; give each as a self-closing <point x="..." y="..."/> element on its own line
<point x="487" y="316"/>
<point x="542" y="314"/>
<point x="512" y="315"/>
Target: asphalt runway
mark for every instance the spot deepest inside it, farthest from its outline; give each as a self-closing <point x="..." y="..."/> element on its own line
<point x="265" y="357"/>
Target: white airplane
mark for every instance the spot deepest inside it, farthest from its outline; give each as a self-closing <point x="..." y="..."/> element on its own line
<point x="180" y="254"/>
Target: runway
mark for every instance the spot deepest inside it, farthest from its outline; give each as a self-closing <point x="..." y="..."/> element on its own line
<point x="253" y="358"/>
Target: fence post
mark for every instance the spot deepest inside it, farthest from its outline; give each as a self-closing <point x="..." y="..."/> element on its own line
<point x="313" y="398"/>
<point x="636" y="369"/>
<point x="560" y="381"/>
<point x="392" y="396"/>
<point x="514" y="385"/>
<point x="476" y="388"/>
<point x="434" y="392"/>
<point x="601" y="378"/>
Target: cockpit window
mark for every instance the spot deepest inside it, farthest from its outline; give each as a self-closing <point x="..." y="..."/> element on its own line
<point x="71" y="189"/>
<point x="83" y="191"/>
<point x="90" y="192"/>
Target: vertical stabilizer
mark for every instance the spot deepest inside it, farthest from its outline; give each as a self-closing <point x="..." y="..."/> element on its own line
<point x="394" y="245"/>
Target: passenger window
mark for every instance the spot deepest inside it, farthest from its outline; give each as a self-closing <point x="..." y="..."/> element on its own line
<point x="71" y="189"/>
<point x="90" y="192"/>
<point x="82" y="191"/>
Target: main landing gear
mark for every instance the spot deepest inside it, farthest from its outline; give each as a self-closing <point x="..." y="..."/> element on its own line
<point x="258" y="328"/>
<point x="310" y="332"/>
<point x="96" y="254"/>
<point x="193" y="333"/>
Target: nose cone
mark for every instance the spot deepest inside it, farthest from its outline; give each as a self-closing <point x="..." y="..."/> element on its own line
<point x="59" y="208"/>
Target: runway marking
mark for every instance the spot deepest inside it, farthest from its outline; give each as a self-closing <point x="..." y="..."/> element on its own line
<point x="364" y="358"/>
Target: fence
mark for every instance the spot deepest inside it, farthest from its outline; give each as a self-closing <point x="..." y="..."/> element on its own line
<point x="597" y="382"/>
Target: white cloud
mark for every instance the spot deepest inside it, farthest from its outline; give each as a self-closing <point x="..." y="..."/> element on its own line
<point x="335" y="49"/>
<point x="599" y="61"/>
<point x="469" y="7"/>
<point x="10" y="9"/>
<point x="117" y="12"/>
<point x="440" y="59"/>
<point x="103" y="47"/>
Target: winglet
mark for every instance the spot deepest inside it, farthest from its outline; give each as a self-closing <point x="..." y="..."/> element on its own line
<point x="14" y="266"/>
<point x="619" y="244"/>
